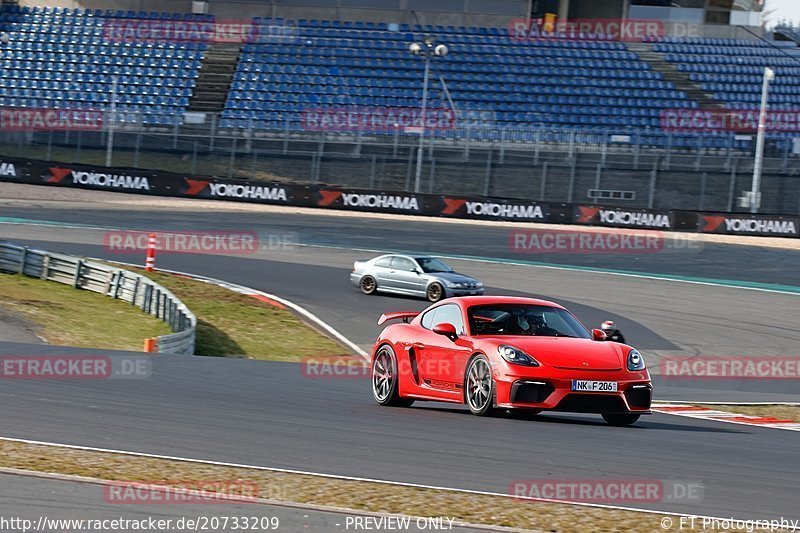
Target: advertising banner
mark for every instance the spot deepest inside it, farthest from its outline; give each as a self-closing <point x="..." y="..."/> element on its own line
<point x="160" y="183"/>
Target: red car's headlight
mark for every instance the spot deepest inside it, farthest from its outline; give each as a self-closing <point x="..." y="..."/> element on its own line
<point x="516" y="356"/>
<point x="635" y="361"/>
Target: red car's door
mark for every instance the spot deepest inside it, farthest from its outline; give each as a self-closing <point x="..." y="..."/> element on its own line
<point x="442" y="360"/>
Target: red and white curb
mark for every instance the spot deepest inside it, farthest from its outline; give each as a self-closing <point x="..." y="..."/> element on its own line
<point x="704" y="413"/>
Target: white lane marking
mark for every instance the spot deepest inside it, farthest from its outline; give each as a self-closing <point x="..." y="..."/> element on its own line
<point x="704" y="413"/>
<point x="346" y="478"/>
<point x="249" y="291"/>
<point x="260" y="501"/>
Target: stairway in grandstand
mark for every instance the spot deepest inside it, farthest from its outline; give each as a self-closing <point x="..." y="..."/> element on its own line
<point x="669" y="72"/>
<point x="216" y="76"/>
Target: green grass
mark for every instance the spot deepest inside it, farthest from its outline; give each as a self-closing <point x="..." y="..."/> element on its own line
<point x="232" y="324"/>
<point x="229" y="324"/>
<point x="72" y="317"/>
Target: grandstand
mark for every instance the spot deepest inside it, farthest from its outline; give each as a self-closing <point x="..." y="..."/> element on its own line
<point x="63" y="58"/>
<point x="545" y="84"/>
<point x="560" y="92"/>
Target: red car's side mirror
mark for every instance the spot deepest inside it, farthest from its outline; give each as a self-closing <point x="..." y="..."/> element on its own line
<point x="448" y="330"/>
<point x="598" y="335"/>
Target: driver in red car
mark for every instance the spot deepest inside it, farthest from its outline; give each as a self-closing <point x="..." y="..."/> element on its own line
<point x="534" y="324"/>
<point x="612" y="333"/>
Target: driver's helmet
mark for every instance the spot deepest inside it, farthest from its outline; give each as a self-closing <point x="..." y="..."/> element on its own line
<point x="530" y="321"/>
<point x="608" y="326"/>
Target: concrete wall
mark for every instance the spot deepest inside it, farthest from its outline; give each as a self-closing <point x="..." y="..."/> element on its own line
<point x="591" y="9"/>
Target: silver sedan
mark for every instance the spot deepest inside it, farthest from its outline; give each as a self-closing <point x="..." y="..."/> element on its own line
<point x="412" y="275"/>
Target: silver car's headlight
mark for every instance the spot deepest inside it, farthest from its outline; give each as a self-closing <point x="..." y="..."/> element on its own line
<point x="516" y="356"/>
<point x="635" y="361"/>
<point x="464" y="285"/>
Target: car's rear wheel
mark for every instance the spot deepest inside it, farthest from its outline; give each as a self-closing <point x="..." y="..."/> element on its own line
<point x="385" y="387"/>
<point x="620" y="419"/>
<point x="368" y="285"/>
<point x="435" y="292"/>
<point x="479" y="387"/>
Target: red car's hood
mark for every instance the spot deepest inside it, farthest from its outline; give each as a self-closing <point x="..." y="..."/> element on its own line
<point x="566" y="352"/>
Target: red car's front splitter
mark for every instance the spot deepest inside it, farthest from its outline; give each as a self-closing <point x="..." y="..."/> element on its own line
<point x="549" y="393"/>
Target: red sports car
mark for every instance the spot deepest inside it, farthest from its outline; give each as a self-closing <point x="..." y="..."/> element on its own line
<point x="495" y="353"/>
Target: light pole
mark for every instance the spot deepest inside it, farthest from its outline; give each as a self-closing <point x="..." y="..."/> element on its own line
<point x="755" y="192"/>
<point x="427" y="48"/>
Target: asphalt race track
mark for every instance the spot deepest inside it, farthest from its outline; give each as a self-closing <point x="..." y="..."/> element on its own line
<point x="694" y="320"/>
<point x="270" y="414"/>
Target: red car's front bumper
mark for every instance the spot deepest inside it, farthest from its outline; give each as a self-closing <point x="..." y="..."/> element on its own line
<point x="548" y="388"/>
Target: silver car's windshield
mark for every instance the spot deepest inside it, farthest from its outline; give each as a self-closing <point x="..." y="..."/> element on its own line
<point x="431" y="265"/>
<point x="524" y="319"/>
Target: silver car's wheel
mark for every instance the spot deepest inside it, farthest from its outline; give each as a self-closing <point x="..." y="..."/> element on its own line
<point x="435" y="292"/>
<point x="385" y="379"/>
<point x="479" y="386"/>
<point x="368" y="285"/>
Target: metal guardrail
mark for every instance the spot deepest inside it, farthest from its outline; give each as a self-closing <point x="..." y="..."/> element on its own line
<point x="116" y="283"/>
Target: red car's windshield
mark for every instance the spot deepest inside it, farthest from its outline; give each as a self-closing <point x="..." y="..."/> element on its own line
<point x="524" y="319"/>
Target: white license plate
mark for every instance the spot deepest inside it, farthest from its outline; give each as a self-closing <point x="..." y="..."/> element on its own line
<point x="580" y="385"/>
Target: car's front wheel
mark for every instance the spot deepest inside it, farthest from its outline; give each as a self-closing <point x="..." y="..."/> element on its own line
<point x="435" y="292"/>
<point x="385" y="379"/>
<point x="620" y="419"/>
<point x="479" y="387"/>
<point x="368" y="285"/>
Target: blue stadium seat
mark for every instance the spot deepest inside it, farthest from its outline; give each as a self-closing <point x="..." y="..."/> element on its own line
<point x="78" y="54"/>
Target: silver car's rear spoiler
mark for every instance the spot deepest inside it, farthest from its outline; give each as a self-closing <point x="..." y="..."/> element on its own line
<point x="406" y="316"/>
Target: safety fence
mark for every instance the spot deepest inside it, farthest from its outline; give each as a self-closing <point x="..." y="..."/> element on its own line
<point x="551" y="165"/>
<point x="116" y="283"/>
<point x="609" y="211"/>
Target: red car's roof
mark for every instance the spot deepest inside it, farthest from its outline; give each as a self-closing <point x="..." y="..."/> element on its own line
<point x="468" y="301"/>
